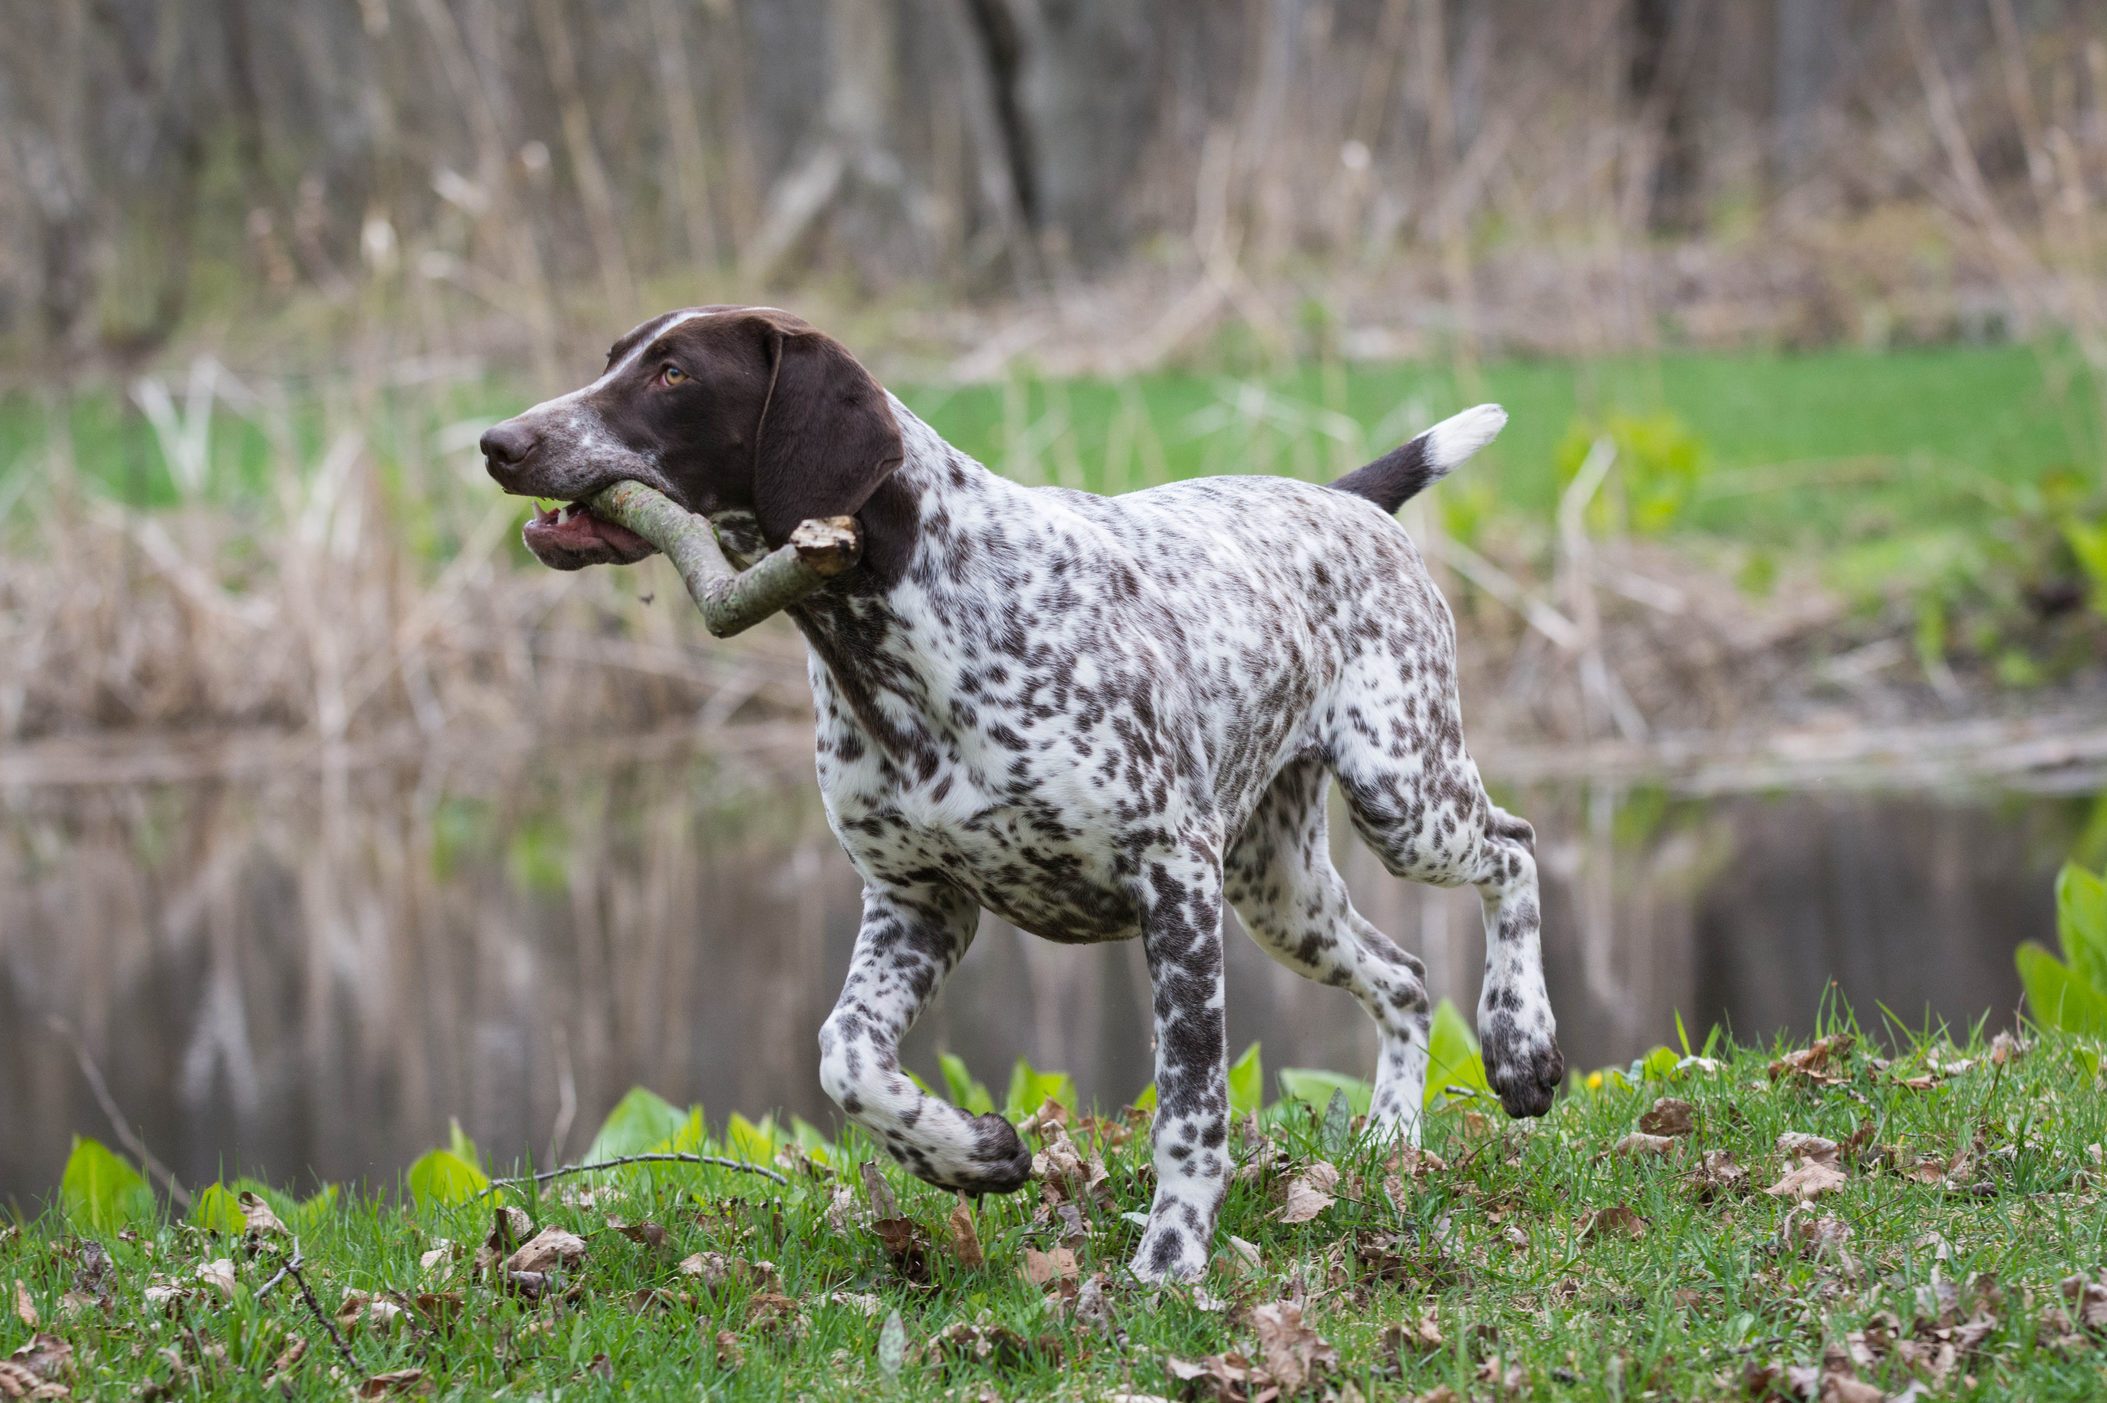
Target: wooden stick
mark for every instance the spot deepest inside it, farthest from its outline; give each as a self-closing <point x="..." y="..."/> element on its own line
<point x="720" y="1161"/>
<point x="732" y="600"/>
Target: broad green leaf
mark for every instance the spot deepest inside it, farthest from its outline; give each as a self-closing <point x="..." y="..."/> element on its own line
<point x="812" y="1140"/>
<point x="443" y="1177"/>
<point x="1654" y="1065"/>
<point x="1314" y="1087"/>
<point x="101" y="1190"/>
<point x="1146" y="1101"/>
<point x="1452" y="1056"/>
<point x="640" y="1122"/>
<point x="217" y="1209"/>
<point x="966" y="1093"/>
<point x="2081" y="922"/>
<point x="690" y="1139"/>
<point x="1029" y="1087"/>
<point x="743" y="1139"/>
<point x="457" y="1140"/>
<point x="2059" y="996"/>
<point x="1247" y="1083"/>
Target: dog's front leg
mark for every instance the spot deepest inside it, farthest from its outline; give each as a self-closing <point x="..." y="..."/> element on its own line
<point x="1181" y="933"/>
<point x="911" y="939"/>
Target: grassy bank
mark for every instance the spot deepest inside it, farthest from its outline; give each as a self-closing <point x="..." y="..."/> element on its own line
<point x="1838" y="1219"/>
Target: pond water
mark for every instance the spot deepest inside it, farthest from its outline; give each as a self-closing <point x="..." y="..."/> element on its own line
<point x="305" y="976"/>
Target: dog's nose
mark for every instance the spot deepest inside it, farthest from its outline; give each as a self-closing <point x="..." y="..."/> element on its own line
<point x="506" y="447"/>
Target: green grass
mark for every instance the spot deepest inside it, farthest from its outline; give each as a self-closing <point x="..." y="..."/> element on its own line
<point x="1513" y="1258"/>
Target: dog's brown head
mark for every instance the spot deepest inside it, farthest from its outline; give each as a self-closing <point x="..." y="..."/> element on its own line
<point x="722" y="409"/>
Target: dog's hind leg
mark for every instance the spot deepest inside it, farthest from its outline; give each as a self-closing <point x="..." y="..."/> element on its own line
<point x="1415" y="796"/>
<point x="1294" y="904"/>
<point x="910" y="940"/>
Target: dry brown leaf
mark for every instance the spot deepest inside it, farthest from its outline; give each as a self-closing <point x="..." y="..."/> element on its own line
<point x="1239" y="1257"/>
<point x="1640" y="1143"/>
<point x="965" y="1239"/>
<point x="1669" y="1117"/>
<point x="907" y="1245"/>
<point x="363" y="1307"/>
<point x="38" y="1369"/>
<point x="713" y="1268"/>
<point x="219" y="1275"/>
<point x="1230" y="1378"/>
<point x="647" y="1235"/>
<point x="2089" y="1299"/>
<point x="394" y="1381"/>
<point x="883" y="1204"/>
<point x="1811" y="1180"/>
<point x="295" y="1351"/>
<point x="25" y="1306"/>
<point x="1065" y="1170"/>
<point x="1292" y="1353"/>
<point x="257" y="1220"/>
<point x="1718" y="1174"/>
<point x="1601" y="1222"/>
<point x="1816" y="1063"/>
<point x="1309" y="1193"/>
<point x="1794" y="1145"/>
<point x="1423" y="1336"/>
<point x="509" y="1227"/>
<point x="1042" y="1267"/>
<point x="547" y="1250"/>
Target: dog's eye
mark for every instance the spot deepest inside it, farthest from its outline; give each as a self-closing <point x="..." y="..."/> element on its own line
<point x="672" y="375"/>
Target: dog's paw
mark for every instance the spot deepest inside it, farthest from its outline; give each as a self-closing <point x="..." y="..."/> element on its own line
<point x="999" y="1162"/>
<point x="1524" y="1067"/>
<point x="1169" y="1253"/>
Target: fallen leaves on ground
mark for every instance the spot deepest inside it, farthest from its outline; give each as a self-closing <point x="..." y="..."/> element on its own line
<point x="1818" y="1063"/>
<point x="1639" y="1144"/>
<point x="648" y="1235"/>
<point x="38" y="1369"/>
<point x="1309" y="1193"/>
<point x="1292" y="1358"/>
<point x="394" y="1381"/>
<point x="1068" y="1172"/>
<point x="25" y="1307"/>
<point x="362" y="1308"/>
<point x="1669" y="1117"/>
<point x="546" y="1251"/>
<point x="1616" y="1220"/>
<point x="1057" y="1265"/>
<point x="965" y="1239"/>
<point x="1819" y="1171"/>
<point x="1717" y="1175"/>
<point x="259" y="1223"/>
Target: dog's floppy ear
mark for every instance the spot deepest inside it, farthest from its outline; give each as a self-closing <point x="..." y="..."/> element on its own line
<point x="826" y="436"/>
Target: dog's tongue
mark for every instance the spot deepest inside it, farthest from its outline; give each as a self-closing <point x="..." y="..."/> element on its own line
<point x="573" y="528"/>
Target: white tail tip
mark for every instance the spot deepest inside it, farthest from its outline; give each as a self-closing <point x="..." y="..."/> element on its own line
<point x="1455" y="439"/>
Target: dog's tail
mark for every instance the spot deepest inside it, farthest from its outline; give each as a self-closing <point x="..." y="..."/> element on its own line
<point x="1402" y="473"/>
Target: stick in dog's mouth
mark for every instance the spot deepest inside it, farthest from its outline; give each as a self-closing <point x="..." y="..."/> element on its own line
<point x="628" y="521"/>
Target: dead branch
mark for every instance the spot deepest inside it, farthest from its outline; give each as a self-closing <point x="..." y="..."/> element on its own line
<point x="733" y="600"/>
<point x="293" y="1263"/>
<point x="719" y="1161"/>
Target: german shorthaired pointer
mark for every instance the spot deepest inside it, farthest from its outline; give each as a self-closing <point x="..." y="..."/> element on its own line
<point x="1098" y="718"/>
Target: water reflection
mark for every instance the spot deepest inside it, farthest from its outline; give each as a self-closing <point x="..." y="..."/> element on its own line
<point x="306" y="977"/>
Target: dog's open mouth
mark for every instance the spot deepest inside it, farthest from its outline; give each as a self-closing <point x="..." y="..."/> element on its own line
<point x="571" y="538"/>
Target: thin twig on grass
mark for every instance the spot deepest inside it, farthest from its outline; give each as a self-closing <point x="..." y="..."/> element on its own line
<point x="720" y="1161"/>
<point x="293" y="1263"/>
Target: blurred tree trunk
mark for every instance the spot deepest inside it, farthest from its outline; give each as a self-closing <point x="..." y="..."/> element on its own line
<point x="1073" y="83"/>
<point x="1664" y="38"/>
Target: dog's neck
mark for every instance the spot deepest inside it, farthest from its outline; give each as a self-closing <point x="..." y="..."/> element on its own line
<point x="875" y="629"/>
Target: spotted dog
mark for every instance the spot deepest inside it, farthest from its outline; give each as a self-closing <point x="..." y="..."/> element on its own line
<point x="1099" y="718"/>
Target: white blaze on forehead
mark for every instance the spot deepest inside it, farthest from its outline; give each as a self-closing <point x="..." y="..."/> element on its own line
<point x="638" y="351"/>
